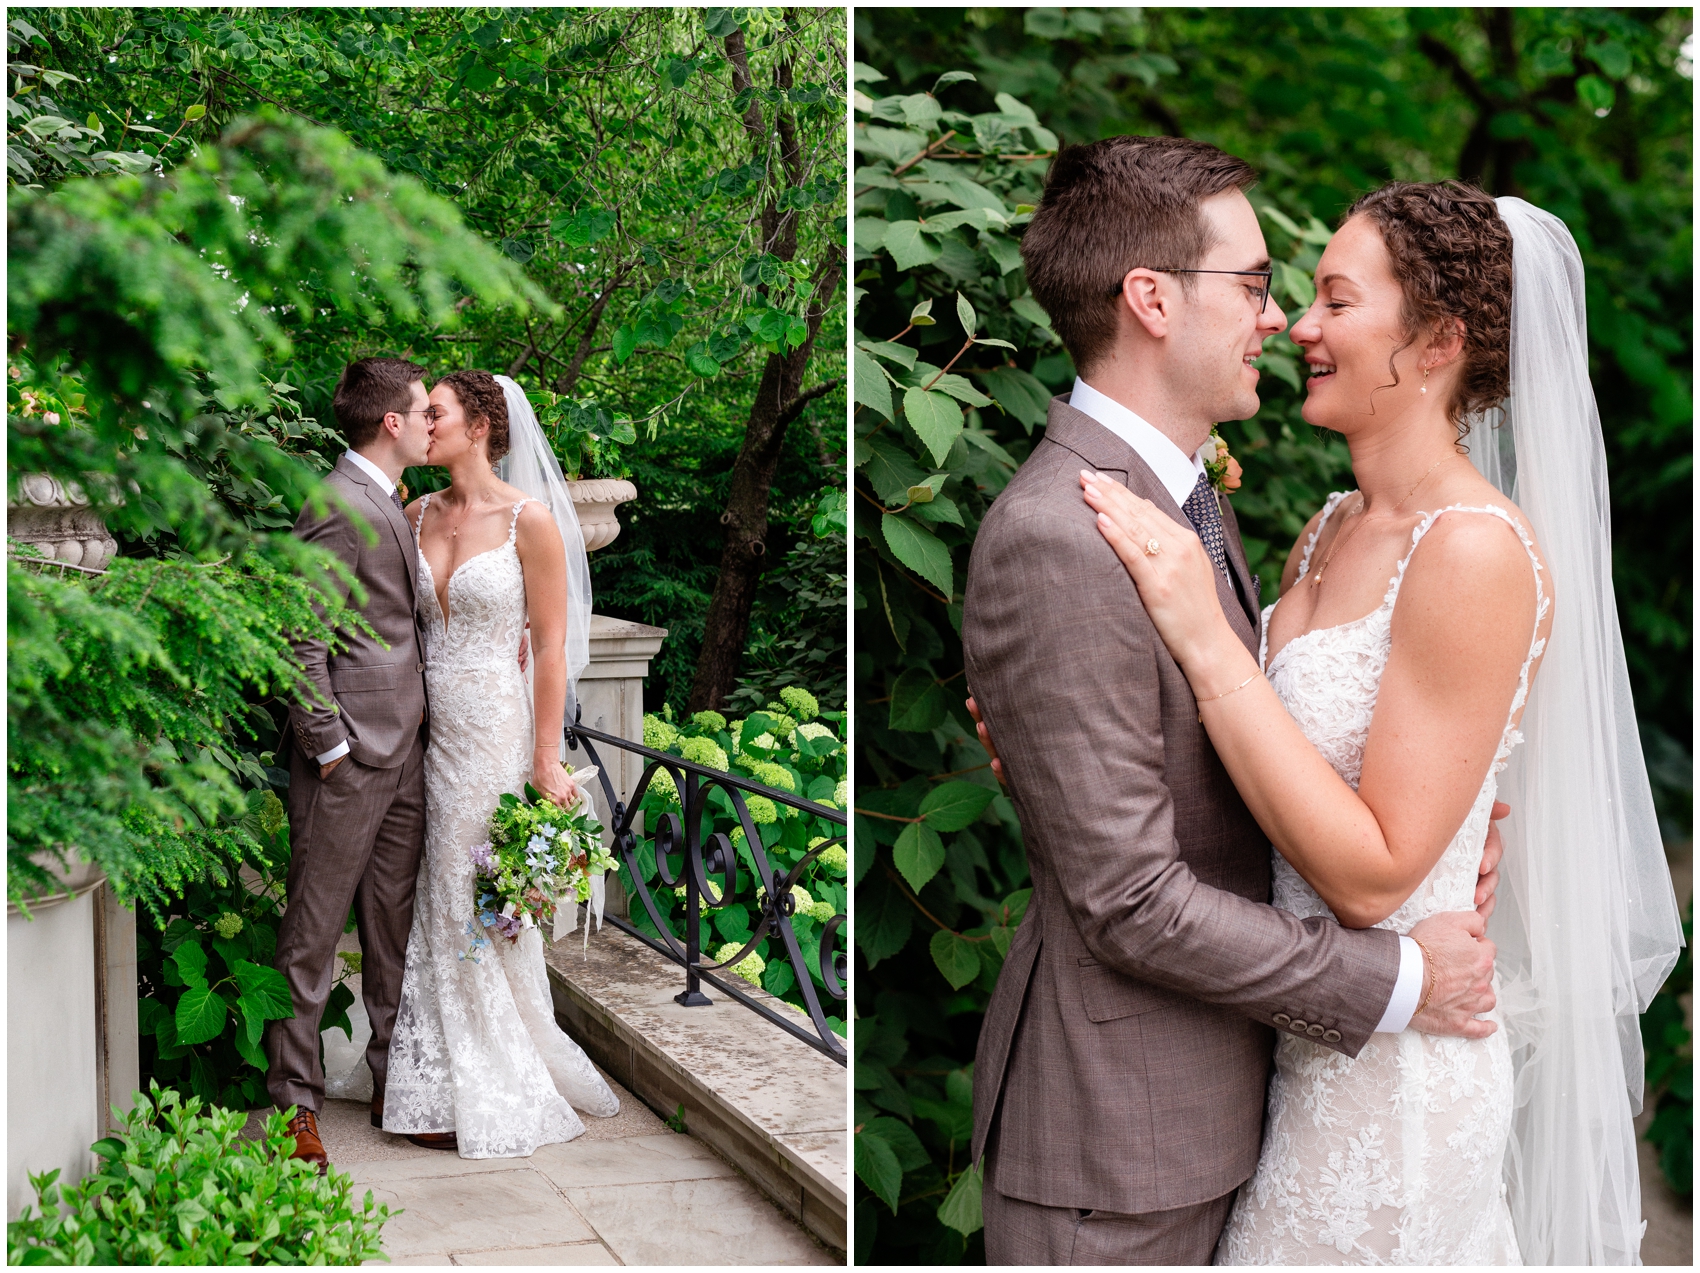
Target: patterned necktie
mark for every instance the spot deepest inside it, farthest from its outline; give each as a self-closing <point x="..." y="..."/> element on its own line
<point x="1205" y="515"/>
<point x="395" y="498"/>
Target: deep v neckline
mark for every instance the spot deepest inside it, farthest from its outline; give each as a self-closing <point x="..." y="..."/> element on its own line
<point x="443" y="599"/>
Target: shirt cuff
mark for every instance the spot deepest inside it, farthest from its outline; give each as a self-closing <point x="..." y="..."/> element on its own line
<point x="1406" y="991"/>
<point x="341" y="750"/>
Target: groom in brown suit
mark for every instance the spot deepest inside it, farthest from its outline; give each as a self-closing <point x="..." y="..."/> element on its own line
<point x="356" y="769"/>
<point x="1120" y="1079"/>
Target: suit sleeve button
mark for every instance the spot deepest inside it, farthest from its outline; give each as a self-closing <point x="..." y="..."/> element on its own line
<point x="1331" y="1036"/>
<point x="1299" y="1027"/>
<point x="1283" y="1020"/>
<point x="1314" y="1031"/>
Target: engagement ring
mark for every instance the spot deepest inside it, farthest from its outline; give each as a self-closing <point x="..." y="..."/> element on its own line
<point x="1152" y="548"/>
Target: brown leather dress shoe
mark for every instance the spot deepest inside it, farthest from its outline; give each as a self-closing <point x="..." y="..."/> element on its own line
<point x="308" y="1147"/>
<point x="436" y="1140"/>
<point x="378" y="1110"/>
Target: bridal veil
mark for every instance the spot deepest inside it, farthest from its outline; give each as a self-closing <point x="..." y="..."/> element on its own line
<point x="1587" y="924"/>
<point x="531" y="466"/>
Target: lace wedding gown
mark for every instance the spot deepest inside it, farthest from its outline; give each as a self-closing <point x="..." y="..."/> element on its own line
<point x="476" y="1050"/>
<point x="1392" y="1157"/>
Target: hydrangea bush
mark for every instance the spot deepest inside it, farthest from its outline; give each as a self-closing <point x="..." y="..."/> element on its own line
<point x="791" y="746"/>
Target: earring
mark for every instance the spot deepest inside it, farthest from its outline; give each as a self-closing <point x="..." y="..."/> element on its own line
<point x="1424" y="389"/>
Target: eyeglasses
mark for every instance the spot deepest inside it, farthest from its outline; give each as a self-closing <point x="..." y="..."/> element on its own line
<point x="1259" y="295"/>
<point x="430" y="413"/>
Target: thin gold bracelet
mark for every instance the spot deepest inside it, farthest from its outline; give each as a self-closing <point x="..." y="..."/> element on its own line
<point x="1433" y="978"/>
<point x="1224" y="694"/>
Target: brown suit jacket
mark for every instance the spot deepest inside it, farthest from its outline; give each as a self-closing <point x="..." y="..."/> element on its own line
<point x="1126" y="1049"/>
<point x="372" y="696"/>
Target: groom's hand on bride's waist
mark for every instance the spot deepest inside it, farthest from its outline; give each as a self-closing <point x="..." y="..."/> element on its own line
<point x="1457" y="975"/>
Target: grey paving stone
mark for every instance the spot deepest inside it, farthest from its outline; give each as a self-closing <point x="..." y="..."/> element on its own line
<point x="576" y="1253"/>
<point x="478" y="1211"/>
<point x="723" y="1221"/>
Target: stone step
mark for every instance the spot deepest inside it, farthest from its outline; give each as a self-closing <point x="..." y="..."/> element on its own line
<point x="766" y="1102"/>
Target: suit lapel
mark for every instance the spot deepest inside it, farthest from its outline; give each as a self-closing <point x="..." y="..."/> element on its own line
<point x="1248" y="598"/>
<point x="388" y="514"/>
<point x="1107" y="453"/>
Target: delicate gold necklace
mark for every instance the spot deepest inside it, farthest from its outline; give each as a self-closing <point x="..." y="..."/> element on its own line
<point x="1352" y="529"/>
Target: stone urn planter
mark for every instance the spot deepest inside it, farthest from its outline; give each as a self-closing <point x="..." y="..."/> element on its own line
<point x="59" y="523"/>
<point x="595" y="501"/>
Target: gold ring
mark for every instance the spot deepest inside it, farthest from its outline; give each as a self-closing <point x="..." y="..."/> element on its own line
<point x="1152" y="548"/>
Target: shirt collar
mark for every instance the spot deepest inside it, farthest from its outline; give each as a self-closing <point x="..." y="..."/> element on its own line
<point x="1175" y="469"/>
<point x="377" y="474"/>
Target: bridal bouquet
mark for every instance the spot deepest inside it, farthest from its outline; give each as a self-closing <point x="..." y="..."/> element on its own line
<point x="539" y="863"/>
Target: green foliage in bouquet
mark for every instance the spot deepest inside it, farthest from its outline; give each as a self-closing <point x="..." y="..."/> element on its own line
<point x="178" y="1186"/>
<point x="792" y="746"/>
<point x="538" y="858"/>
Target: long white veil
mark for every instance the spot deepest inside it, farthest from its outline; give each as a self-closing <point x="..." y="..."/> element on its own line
<point x="1587" y="924"/>
<point x="530" y="465"/>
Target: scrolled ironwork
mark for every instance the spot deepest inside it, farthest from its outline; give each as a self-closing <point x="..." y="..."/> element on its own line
<point x="701" y="858"/>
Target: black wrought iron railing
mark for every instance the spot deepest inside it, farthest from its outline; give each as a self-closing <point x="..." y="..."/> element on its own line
<point x="715" y="855"/>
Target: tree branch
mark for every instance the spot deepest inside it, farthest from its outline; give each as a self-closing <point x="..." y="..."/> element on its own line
<point x="794" y="408"/>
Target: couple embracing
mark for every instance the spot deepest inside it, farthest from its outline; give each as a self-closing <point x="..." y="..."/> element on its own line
<point x="418" y="729"/>
<point x="1252" y="1015"/>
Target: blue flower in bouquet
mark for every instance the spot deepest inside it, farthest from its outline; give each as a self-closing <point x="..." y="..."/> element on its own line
<point x="479" y="941"/>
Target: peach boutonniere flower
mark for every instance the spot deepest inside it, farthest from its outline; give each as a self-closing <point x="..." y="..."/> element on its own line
<point x="1224" y="470"/>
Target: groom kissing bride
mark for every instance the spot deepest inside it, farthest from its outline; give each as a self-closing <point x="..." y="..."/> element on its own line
<point x="1250" y="1016"/>
<point x="415" y="732"/>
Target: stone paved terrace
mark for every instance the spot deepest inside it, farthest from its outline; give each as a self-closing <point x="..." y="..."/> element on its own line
<point x="629" y="1191"/>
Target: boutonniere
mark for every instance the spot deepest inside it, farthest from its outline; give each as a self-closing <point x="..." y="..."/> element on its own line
<point x="401" y="490"/>
<point x="1224" y="470"/>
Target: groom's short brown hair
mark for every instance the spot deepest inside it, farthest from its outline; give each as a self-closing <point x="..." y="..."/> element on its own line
<point x="1110" y="207"/>
<point x="368" y="391"/>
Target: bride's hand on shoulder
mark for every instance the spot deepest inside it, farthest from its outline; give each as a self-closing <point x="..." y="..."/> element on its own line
<point x="552" y="780"/>
<point x="1175" y="577"/>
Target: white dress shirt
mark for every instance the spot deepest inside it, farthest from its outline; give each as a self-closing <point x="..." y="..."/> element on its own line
<point x="1179" y="473"/>
<point x="382" y="479"/>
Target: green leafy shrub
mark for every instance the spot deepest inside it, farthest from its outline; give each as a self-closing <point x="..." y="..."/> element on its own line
<point x="176" y="1186"/>
<point x="792" y="746"/>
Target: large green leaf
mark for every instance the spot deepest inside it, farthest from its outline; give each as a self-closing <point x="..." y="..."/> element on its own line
<point x="961" y="1207"/>
<point x="200" y="1015"/>
<point x="266" y="988"/>
<point x="955" y="957"/>
<point x="936" y="419"/>
<point x="872" y="388"/>
<point x="918" y="702"/>
<point x="1020" y="393"/>
<point x="909" y="246"/>
<point x="876" y="1167"/>
<point x="883" y="921"/>
<point x="902" y="1139"/>
<point x="918" y="854"/>
<point x="191" y="961"/>
<point x="917" y="548"/>
<point x="951" y="806"/>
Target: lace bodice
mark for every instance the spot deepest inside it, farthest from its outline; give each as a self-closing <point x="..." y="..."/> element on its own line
<point x="1393" y="1156"/>
<point x="1329" y="680"/>
<point x="476" y="1048"/>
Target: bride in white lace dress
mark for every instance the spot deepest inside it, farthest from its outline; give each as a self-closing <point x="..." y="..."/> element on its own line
<point x="477" y="1061"/>
<point x="1371" y="736"/>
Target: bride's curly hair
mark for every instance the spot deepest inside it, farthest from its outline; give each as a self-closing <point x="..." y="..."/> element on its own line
<point x="1451" y="253"/>
<point x="484" y="403"/>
